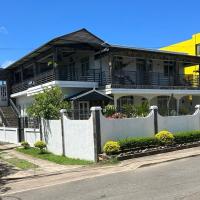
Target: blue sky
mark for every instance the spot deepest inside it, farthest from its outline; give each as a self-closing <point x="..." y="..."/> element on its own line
<point x="27" y="24"/>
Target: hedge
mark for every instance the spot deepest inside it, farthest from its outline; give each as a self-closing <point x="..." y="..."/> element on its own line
<point x="145" y="142"/>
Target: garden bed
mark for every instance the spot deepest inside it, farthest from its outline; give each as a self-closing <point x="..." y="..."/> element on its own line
<point x="162" y="142"/>
<point x="129" y="154"/>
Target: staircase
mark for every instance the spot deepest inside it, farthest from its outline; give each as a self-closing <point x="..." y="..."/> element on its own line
<point x="9" y="116"/>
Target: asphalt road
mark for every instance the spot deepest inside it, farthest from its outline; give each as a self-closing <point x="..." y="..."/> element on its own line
<point x="174" y="180"/>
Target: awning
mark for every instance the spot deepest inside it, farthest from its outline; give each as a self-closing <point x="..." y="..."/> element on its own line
<point x="91" y="95"/>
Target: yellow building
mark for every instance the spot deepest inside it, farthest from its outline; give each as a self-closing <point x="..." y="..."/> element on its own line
<point x="191" y="47"/>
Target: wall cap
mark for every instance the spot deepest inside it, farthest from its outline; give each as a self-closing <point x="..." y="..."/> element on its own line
<point x="153" y="107"/>
<point x="95" y="108"/>
<point x="63" y="111"/>
<point x="197" y="106"/>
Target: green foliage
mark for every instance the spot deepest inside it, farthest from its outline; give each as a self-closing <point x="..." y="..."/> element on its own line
<point x="141" y="143"/>
<point x="25" y="144"/>
<point x="141" y="110"/>
<point x="48" y="103"/>
<point x="146" y="142"/>
<point x="109" y="110"/>
<point x="186" y="136"/>
<point x="165" y="137"/>
<point x="111" y="147"/>
<point x="40" y="145"/>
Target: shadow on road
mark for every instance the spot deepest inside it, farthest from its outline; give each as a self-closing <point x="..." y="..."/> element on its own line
<point x="5" y="170"/>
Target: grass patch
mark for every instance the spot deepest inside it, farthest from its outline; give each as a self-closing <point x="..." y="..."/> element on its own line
<point x="62" y="160"/>
<point x="20" y="163"/>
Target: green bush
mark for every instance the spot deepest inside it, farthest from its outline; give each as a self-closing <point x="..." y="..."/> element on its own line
<point x="25" y="144"/>
<point x="186" y="136"/>
<point x="165" y="137"/>
<point x="141" y="143"/>
<point x="40" y="145"/>
<point x="147" y="142"/>
<point x="111" y="147"/>
<point x="109" y="110"/>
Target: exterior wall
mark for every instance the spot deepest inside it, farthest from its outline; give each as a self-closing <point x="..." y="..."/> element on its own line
<point x="179" y="123"/>
<point x="23" y="102"/>
<point x="115" y="129"/>
<point x="31" y="135"/>
<point x="9" y="135"/>
<point x="79" y="139"/>
<point x="187" y="46"/>
<point x="51" y="130"/>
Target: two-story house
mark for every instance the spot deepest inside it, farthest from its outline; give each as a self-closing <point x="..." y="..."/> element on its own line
<point x="92" y="72"/>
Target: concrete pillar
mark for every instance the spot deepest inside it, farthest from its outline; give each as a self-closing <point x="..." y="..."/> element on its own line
<point x="95" y="113"/>
<point x="155" y="114"/>
<point x="62" y="113"/>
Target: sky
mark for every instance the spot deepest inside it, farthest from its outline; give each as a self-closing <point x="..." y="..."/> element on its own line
<point x="27" y="24"/>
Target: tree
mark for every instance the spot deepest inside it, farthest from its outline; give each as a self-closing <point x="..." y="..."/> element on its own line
<point x="48" y="103"/>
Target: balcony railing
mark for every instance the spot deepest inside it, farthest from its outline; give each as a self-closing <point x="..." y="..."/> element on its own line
<point x="92" y="75"/>
<point x="134" y="79"/>
<point x="122" y="79"/>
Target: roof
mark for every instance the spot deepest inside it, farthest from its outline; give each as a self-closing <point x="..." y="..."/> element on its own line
<point x="76" y="37"/>
<point x="83" y="36"/>
<point x="89" y="95"/>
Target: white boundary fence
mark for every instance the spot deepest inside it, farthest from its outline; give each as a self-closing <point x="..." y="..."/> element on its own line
<point x="9" y="135"/>
<point x="84" y="139"/>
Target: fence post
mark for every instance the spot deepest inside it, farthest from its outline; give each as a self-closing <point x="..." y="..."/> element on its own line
<point x="155" y="118"/>
<point x="62" y="112"/>
<point x="96" y="131"/>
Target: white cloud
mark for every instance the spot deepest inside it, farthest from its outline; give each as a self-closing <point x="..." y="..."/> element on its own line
<point x="3" y="30"/>
<point x="7" y="63"/>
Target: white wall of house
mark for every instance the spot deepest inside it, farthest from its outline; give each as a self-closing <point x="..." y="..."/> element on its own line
<point x="23" y="102"/>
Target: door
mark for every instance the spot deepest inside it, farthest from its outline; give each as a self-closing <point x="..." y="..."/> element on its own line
<point x="84" y="109"/>
<point x="141" y="72"/>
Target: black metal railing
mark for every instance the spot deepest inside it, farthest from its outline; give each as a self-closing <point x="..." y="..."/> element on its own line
<point x="78" y="114"/>
<point x="118" y="79"/>
<point x="134" y="79"/>
<point x="91" y="75"/>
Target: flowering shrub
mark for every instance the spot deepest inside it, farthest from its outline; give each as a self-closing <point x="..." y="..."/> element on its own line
<point x="111" y="147"/>
<point x="40" y="145"/>
<point x="165" y="137"/>
<point x="25" y="144"/>
<point x="118" y="116"/>
<point x="109" y="110"/>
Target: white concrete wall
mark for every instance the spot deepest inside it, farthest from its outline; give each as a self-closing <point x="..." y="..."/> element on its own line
<point x="115" y="129"/>
<point x="79" y="140"/>
<point x="51" y="130"/>
<point x="78" y="136"/>
<point x="9" y="135"/>
<point x="31" y="135"/>
<point x="179" y="123"/>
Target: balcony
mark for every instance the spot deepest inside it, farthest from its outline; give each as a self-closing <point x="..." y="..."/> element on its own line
<point x="150" y="80"/>
<point x="92" y="75"/>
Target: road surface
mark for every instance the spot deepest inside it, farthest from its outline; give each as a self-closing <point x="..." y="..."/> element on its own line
<point x="179" y="180"/>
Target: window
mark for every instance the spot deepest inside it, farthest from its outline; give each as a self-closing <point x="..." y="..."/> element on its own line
<point x="168" y="68"/>
<point x="198" y="49"/>
<point x="126" y="100"/>
<point x="85" y="64"/>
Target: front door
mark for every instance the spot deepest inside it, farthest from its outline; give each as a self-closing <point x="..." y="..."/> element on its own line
<point x="84" y="109"/>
